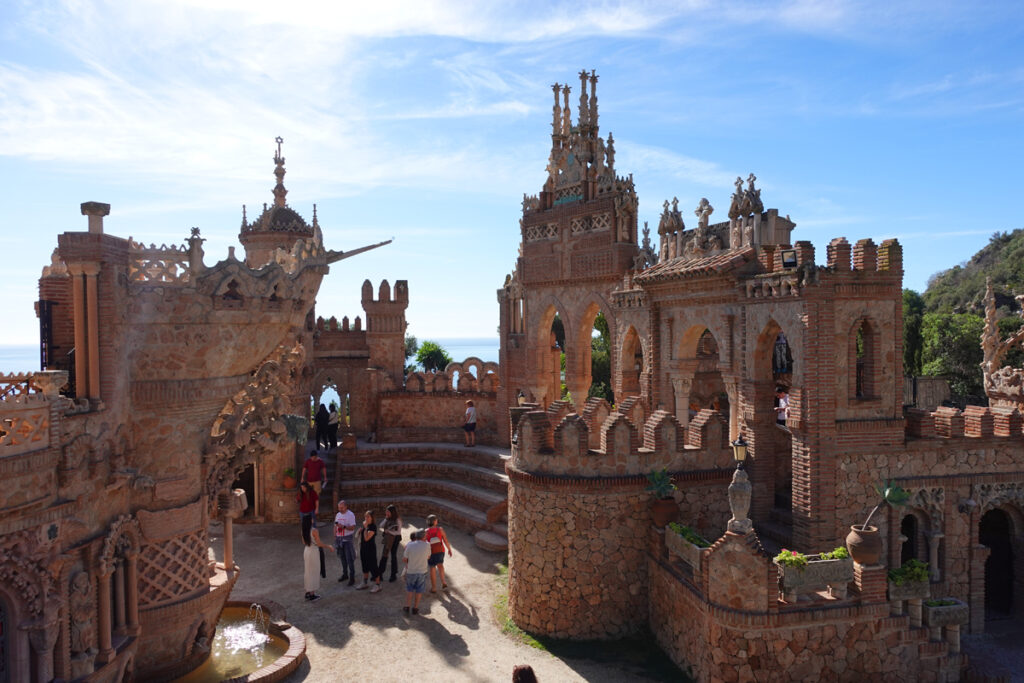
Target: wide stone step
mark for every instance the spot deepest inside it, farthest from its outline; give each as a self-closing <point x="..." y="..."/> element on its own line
<point x="471" y="496"/>
<point x="490" y="541"/>
<point x="449" y="512"/>
<point x="483" y="456"/>
<point x="474" y="475"/>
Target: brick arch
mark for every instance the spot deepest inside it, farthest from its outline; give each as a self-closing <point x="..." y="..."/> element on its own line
<point x="631" y="380"/>
<point x="760" y="363"/>
<point x="578" y="352"/>
<point x="868" y="384"/>
<point x="686" y="347"/>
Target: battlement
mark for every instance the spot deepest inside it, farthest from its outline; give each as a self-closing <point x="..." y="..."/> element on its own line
<point x="866" y="256"/>
<point x="457" y="377"/>
<point x="401" y="293"/>
<point x="560" y="441"/>
<point x="973" y="422"/>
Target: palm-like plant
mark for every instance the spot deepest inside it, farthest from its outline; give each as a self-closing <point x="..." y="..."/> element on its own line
<point x="890" y="494"/>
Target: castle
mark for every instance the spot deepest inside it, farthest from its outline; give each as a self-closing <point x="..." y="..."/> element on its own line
<point x="169" y="382"/>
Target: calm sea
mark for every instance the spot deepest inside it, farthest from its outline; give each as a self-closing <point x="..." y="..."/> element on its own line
<point x="26" y="358"/>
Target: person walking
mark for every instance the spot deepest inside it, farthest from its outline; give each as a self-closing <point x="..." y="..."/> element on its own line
<point x="320" y="421"/>
<point x="344" y="533"/>
<point x="332" y="426"/>
<point x="391" y="534"/>
<point x="368" y="548"/>
<point x="416" y="557"/>
<point x="469" y="424"/>
<point x="314" y="471"/>
<point x="438" y="542"/>
<point x="312" y="559"/>
<point x="308" y="502"/>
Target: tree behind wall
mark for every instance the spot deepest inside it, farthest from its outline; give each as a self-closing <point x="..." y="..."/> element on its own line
<point x="432" y="357"/>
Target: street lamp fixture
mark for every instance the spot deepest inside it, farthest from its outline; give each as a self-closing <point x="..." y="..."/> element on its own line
<point x="739" y="451"/>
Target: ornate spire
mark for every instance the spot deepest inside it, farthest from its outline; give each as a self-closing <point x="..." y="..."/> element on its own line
<point x="279" y="191"/>
<point x="556" y="112"/>
<point x="315" y="224"/>
<point x="566" y="114"/>
<point x="593" y="101"/>
<point x="584" y="106"/>
<point x="243" y="217"/>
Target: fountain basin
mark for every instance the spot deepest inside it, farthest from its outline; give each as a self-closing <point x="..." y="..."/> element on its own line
<point x="237" y="652"/>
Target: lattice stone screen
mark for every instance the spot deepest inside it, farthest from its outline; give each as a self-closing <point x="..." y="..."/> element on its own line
<point x="171" y="569"/>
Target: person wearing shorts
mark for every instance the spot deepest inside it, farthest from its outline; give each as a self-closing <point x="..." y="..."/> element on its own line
<point x="416" y="558"/>
<point x="469" y="424"/>
<point x="438" y="542"/>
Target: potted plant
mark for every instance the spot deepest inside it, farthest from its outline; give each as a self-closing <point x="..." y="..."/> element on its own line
<point x="909" y="582"/>
<point x="863" y="541"/>
<point x="802" y="572"/>
<point x="664" y="508"/>
<point x="686" y="543"/>
<point x="289" y="481"/>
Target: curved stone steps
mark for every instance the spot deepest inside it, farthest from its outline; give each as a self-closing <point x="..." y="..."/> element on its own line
<point x="472" y="496"/>
<point x="475" y="475"/>
<point x="488" y="540"/>
<point x="483" y="456"/>
<point x="450" y="513"/>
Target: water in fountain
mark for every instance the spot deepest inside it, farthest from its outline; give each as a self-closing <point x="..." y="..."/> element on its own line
<point x="241" y="646"/>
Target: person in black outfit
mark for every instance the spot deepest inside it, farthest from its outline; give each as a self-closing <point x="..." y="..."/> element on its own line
<point x="368" y="549"/>
<point x="321" y="420"/>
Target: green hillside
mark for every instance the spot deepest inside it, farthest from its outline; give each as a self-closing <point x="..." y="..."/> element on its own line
<point x="942" y="328"/>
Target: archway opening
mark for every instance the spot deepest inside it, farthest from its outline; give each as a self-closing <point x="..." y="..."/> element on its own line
<point x="708" y="388"/>
<point x="600" y="360"/>
<point x="994" y="532"/>
<point x="632" y="363"/>
<point x="246" y="481"/>
<point x="554" y="361"/>
<point x="908" y="529"/>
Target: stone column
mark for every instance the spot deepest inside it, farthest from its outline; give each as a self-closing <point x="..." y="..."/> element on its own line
<point x="681" y="389"/>
<point x="81" y="352"/>
<point x="91" y="270"/>
<point x="934" y="538"/>
<point x="914" y="608"/>
<point x="119" y="610"/>
<point x="132" y="592"/>
<point x="953" y="638"/>
<point x="43" y="636"/>
<point x="229" y="544"/>
<point x="106" y="652"/>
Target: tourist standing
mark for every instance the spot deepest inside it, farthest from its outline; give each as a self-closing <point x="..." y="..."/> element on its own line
<point x="782" y="405"/>
<point x="308" y="502"/>
<point x="332" y="426"/>
<point x="312" y="559"/>
<point x="438" y="542"/>
<point x="314" y="470"/>
<point x="391" y="534"/>
<point x="367" y="548"/>
<point x="320" y="421"/>
<point x="344" y="533"/>
<point x="416" y="558"/>
<point x="469" y="424"/>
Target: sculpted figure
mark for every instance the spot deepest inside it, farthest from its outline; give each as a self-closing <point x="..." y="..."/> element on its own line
<point x="83" y="607"/>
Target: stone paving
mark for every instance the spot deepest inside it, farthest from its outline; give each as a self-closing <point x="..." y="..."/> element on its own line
<point x="357" y="635"/>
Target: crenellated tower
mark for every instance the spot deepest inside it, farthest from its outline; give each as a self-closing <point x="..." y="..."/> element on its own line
<point x="385" y="326"/>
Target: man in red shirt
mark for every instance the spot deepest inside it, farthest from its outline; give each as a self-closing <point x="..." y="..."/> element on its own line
<point x="314" y="471"/>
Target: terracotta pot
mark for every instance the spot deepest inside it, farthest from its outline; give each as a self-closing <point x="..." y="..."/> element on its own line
<point x="864" y="544"/>
<point x="289" y="482"/>
<point x="664" y="511"/>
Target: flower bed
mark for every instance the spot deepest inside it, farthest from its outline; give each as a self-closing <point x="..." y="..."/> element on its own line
<point x="686" y="543"/>
<point x="799" y="573"/>
<point x="909" y="582"/>
<point x="945" y="612"/>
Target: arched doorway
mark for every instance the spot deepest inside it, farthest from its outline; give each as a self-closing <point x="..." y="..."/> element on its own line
<point x="908" y="529"/>
<point x="631" y="363"/>
<point x="994" y="531"/>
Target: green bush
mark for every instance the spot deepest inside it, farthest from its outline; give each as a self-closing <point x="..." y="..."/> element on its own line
<point x="690" y="535"/>
<point x="912" y="570"/>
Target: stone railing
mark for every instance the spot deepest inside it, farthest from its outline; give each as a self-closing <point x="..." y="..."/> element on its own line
<point x="15" y="384"/>
<point x="163" y="264"/>
<point x="25" y="410"/>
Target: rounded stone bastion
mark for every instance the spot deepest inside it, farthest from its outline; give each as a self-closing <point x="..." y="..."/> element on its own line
<point x="579" y="529"/>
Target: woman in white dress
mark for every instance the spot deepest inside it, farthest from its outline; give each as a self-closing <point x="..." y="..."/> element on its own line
<point x="311" y="558"/>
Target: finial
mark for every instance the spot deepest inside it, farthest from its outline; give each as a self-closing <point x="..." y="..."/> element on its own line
<point x="750" y="180"/>
<point x="314" y="215"/>
<point x="675" y="205"/>
<point x="279" y="191"/>
<point x="243" y="216"/>
<point x="593" y="100"/>
<point x="739" y="185"/>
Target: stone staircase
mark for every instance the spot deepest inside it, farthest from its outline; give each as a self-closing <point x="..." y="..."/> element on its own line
<point x="466" y="487"/>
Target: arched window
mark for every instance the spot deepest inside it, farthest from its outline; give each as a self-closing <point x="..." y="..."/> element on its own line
<point x="864" y="352"/>
<point x="908" y="528"/>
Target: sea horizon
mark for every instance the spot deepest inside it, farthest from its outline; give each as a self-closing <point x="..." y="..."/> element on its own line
<point x="25" y="357"/>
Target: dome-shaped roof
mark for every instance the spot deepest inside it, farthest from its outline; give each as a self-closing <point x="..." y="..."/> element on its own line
<point x="280" y="219"/>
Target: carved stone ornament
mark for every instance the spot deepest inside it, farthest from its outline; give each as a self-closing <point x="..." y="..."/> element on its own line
<point x="123" y="540"/>
<point x="931" y="500"/>
<point x="739" y="503"/>
<point x="989" y="496"/>
<point x="23" y="570"/>
<point x="82" y="606"/>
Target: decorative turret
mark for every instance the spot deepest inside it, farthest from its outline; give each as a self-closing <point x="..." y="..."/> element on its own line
<point x="278" y="226"/>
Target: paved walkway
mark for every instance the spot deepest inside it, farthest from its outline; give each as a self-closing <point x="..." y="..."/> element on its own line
<point x="355" y="635"/>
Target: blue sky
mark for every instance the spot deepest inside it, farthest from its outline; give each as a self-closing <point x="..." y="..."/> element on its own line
<point x="427" y="121"/>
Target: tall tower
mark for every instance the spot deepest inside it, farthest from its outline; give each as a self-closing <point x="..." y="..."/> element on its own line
<point x="579" y="237"/>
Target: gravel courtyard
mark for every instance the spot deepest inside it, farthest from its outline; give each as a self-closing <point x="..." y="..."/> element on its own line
<point x="355" y="635"/>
